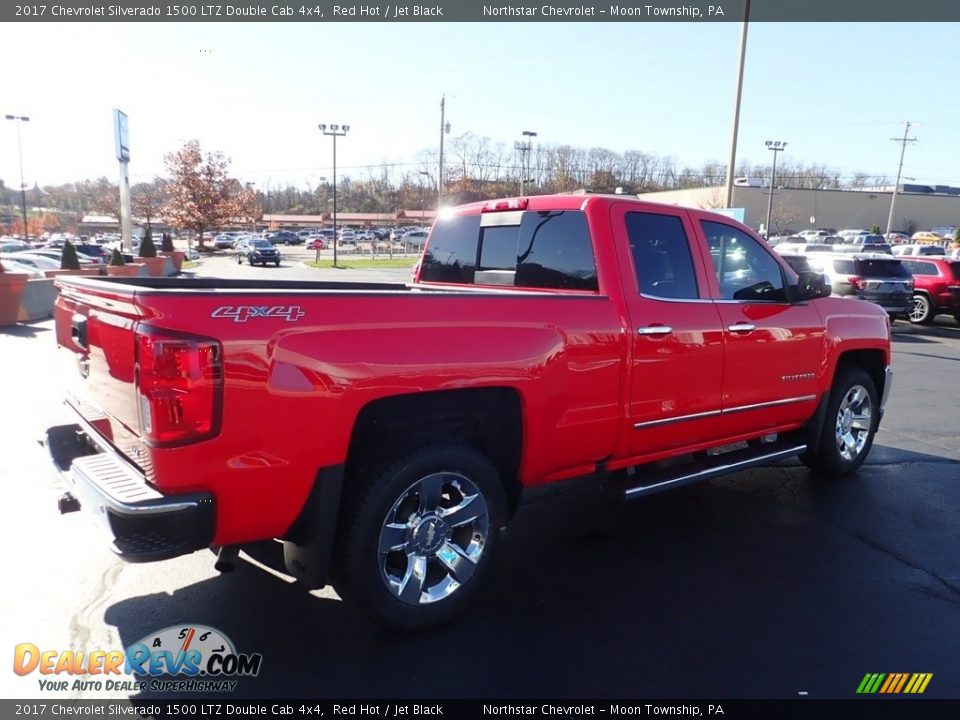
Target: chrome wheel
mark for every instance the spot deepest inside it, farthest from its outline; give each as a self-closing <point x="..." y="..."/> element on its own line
<point x="854" y="422"/>
<point x="920" y="310"/>
<point x="433" y="537"/>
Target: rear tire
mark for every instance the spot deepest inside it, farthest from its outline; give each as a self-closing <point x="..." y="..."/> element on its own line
<point x="418" y="533"/>
<point x="921" y="313"/>
<point x="850" y="424"/>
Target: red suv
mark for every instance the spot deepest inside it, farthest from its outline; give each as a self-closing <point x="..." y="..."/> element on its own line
<point x="936" y="287"/>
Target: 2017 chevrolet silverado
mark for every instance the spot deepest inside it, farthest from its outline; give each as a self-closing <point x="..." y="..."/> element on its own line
<point x="541" y="339"/>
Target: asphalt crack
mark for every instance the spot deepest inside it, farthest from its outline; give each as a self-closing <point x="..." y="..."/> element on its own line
<point x="88" y="615"/>
<point x="874" y="545"/>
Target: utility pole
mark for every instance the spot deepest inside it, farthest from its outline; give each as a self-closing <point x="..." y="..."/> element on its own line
<point x="896" y="186"/>
<point x="731" y="163"/>
<point x="444" y="128"/>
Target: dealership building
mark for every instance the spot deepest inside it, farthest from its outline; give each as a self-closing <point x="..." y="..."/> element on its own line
<point x="921" y="207"/>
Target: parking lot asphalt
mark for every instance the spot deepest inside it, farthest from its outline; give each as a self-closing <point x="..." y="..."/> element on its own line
<point x="769" y="583"/>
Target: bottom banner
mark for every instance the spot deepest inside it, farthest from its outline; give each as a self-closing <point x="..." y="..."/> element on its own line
<point x="366" y="710"/>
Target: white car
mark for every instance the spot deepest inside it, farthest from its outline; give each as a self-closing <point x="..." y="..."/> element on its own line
<point x="41" y="262"/>
<point x="813" y="235"/>
<point x="12" y="266"/>
<point x="802" y="248"/>
<point x="919" y="250"/>
<point x="414" y="238"/>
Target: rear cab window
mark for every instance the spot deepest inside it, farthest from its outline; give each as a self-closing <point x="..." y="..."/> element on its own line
<point x="534" y="249"/>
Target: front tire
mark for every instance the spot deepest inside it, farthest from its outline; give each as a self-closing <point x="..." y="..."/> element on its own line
<point x="921" y="312"/>
<point x="853" y="414"/>
<point x="418" y="535"/>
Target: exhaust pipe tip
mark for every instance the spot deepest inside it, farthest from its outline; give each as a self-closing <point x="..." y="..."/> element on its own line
<point x="226" y="559"/>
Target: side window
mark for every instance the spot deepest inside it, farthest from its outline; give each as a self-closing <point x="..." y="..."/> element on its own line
<point x="555" y="252"/>
<point x="661" y="256"/>
<point x="451" y="256"/>
<point x="745" y="269"/>
<point x="542" y="249"/>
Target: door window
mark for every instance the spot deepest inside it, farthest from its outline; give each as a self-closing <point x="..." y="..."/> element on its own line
<point x="661" y="256"/>
<point x="745" y="269"/>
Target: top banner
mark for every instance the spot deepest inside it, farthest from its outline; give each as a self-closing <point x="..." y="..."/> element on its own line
<point x="853" y="11"/>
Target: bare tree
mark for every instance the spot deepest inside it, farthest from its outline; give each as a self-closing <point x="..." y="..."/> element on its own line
<point x="148" y="199"/>
<point x="783" y="216"/>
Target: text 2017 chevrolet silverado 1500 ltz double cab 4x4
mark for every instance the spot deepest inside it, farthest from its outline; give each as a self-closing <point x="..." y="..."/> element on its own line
<point x="541" y="339"/>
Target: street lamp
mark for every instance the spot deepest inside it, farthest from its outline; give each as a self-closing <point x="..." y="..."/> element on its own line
<point x="334" y="131"/>
<point x="23" y="185"/>
<point x="776" y="146"/>
<point x="524" y="148"/>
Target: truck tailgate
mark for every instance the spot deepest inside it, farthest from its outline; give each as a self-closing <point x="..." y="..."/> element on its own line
<point x="98" y="327"/>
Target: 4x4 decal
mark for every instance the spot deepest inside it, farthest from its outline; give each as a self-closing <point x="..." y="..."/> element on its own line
<point x="242" y="313"/>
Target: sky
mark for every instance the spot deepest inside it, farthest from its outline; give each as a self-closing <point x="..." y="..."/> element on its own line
<point x="835" y="92"/>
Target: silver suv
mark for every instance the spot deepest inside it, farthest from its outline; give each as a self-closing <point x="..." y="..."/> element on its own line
<point x="874" y="277"/>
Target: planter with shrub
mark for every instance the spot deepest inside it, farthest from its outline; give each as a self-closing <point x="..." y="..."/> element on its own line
<point x="166" y="250"/>
<point x="70" y="263"/>
<point x="11" y="291"/>
<point x="148" y="256"/>
<point x="119" y="267"/>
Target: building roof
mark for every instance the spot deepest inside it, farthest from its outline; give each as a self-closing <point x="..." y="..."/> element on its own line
<point x="100" y="220"/>
<point x="352" y="218"/>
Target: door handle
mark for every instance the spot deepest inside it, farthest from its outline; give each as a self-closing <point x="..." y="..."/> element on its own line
<point x="655" y="330"/>
<point x="741" y="327"/>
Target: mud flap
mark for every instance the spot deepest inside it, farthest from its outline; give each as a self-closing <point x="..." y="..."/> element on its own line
<point x="308" y="546"/>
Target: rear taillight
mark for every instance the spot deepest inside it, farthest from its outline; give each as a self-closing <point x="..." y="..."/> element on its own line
<point x="857" y="282"/>
<point x="179" y="386"/>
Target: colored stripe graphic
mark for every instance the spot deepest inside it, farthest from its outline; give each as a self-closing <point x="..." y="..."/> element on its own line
<point x="894" y="683"/>
<point x="870" y="683"/>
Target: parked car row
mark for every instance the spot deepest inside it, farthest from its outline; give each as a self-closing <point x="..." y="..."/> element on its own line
<point x="917" y="287"/>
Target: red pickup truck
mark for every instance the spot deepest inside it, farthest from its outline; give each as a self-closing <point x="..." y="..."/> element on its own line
<point x="541" y="339"/>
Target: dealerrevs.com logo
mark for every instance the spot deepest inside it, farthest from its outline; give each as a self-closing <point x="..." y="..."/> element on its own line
<point x="179" y="658"/>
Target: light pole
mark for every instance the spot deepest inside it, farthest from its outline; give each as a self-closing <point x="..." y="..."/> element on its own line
<point x="776" y="146"/>
<point x="334" y="131"/>
<point x="524" y="149"/>
<point x="23" y="187"/>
